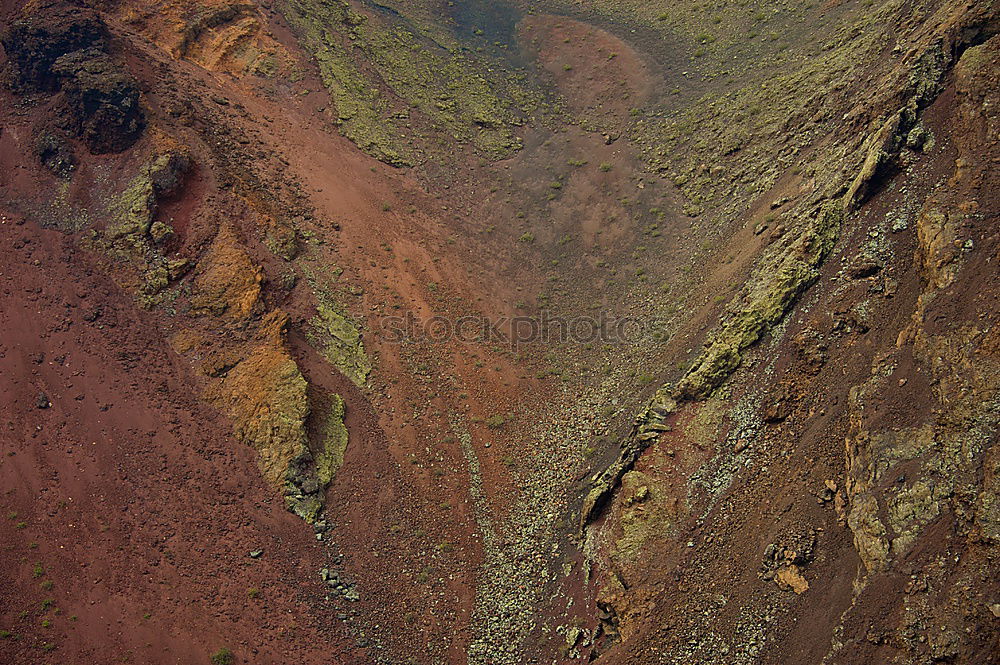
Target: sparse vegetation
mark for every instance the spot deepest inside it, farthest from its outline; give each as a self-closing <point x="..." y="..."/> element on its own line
<point x="222" y="657"/>
<point x="496" y="421"/>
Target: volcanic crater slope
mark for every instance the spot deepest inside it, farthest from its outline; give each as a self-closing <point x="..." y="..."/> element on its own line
<point x="233" y="432"/>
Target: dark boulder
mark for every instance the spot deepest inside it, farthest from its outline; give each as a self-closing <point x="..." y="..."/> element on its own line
<point x="103" y="100"/>
<point x="167" y="171"/>
<point x="35" y="41"/>
<point x="55" y="152"/>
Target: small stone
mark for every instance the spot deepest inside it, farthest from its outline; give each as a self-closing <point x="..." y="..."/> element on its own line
<point x="790" y="577"/>
<point x="42" y="401"/>
<point x="256" y="554"/>
<point x="916" y="139"/>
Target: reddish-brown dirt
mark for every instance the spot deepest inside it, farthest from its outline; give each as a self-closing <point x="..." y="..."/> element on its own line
<point x="129" y="516"/>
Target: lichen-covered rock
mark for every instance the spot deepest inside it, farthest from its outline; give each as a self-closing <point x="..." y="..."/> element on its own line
<point x="648" y="514"/>
<point x="880" y="148"/>
<point x="338" y="338"/>
<point x="166" y="171"/>
<point x="774" y="287"/>
<point x="228" y="282"/>
<point x="265" y="396"/>
<point x="134" y="211"/>
<point x="332" y="442"/>
<point x="408" y="78"/>
<point x="314" y="468"/>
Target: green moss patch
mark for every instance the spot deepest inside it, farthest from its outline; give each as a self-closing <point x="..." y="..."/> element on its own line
<point x="403" y="91"/>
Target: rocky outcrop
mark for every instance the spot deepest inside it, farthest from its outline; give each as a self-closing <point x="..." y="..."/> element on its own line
<point x="56" y="46"/>
<point x="135" y="236"/>
<point x="219" y="35"/>
<point x="227" y="282"/>
<point x="265" y="396"/>
<point x="45" y="32"/>
<point x="102" y="98"/>
<point x="135" y="210"/>
<point x="931" y="486"/>
<point x="55" y="152"/>
<point x="332" y="332"/>
<point x="782" y="276"/>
